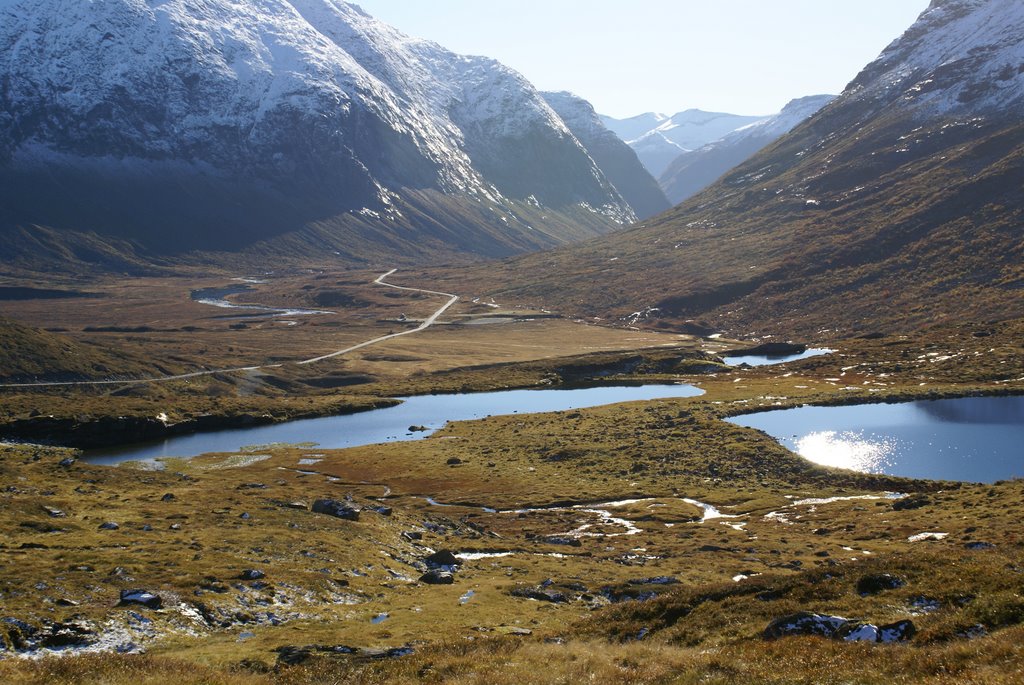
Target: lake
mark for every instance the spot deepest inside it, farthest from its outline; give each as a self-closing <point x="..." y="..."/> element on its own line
<point x="770" y="359"/>
<point x="391" y="423"/>
<point x="978" y="439"/>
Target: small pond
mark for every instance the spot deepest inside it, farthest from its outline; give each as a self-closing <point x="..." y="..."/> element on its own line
<point x="426" y="412"/>
<point x="977" y="439"/>
<point x="216" y="297"/>
<point x="769" y="359"/>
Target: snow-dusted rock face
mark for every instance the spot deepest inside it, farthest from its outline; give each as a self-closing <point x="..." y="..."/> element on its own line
<point x="960" y="56"/>
<point x="298" y="109"/>
<point x="692" y="171"/>
<point x="617" y="161"/>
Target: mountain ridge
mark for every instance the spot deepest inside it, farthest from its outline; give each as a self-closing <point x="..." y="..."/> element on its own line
<point x="137" y="119"/>
<point x="895" y="207"/>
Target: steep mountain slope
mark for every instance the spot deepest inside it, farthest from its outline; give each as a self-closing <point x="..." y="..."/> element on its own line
<point x="669" y="137"/>
<point x="214" y="124"/>
<point x="693" y="171"/>
<point x="616" y="160"/>
<point x="897" y="205"/>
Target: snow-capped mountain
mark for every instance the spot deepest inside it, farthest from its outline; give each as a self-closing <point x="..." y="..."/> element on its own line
<point x="896" y="206"/>
<point x="960" y="56"/>
<point x="214" y="123"/>
<point x="668" y="137"/>
<point x="692" y="171"/>
<point x="616" y="159"/>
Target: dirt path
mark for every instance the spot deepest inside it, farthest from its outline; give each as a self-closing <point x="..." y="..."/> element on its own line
<point x="452" y="299"/>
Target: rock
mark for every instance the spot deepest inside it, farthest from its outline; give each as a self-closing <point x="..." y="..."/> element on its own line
<point x="67" y="462"/>
<point x="333" y="507"/>
<point x="559" y="540"/>
<point x="54" y="513"/>
<point x="453" y="461"/>
<point x="298" y="504"/>
<point x="65" y="602"/>
<point x="418" y="429"/>
<point x="412" y="535"/>
<point x="441" y="559"/>
<point x="912" y="502"/>
<point x="838" y="628"/>
<point x="977" y="545"/>
<point x="252" y="574"/>
<point x="291" y="655"/>
<point x="169" y="497"/>
<point x="900" y="631"/>
<point x="109" y="525"/>
<point x="69" y="634"/>
<point x="146" y="599"/>
<point x="18" y="633"/>
<point x="805" y="623"/>
<point x="876" y="582"/>
<point x="382" y="510"/>
<point x="540" y="594"/>
<point x="436" y="576"/>
<point x="513" y="630"/>
<point x="656" y="580"/>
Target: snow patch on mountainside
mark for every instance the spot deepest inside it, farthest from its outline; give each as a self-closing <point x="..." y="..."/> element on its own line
<point x="267" y="87"/>
<point x="961" y="55"/>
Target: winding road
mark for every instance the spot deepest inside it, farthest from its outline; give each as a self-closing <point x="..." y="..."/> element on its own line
<point x="427" y="323"/>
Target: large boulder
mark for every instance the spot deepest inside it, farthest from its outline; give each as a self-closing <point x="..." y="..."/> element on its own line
<point x="874" y="583"/>
<point x="146" y="599"/>
<point x="436" y="576"/>
<point x="333" y="507"/>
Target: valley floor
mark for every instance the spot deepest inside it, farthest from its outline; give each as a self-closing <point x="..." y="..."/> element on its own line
<point x="638" y="542"/>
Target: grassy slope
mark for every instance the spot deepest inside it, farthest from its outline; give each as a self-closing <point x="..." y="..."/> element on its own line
<point x="707" y="630"/>
<point x="883" y="226"/>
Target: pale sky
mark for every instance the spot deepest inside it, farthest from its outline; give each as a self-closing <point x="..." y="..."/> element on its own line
<point x="634" y="56"/>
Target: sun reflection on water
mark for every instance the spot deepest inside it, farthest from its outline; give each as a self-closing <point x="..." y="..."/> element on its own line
<point x="846" y="450"/>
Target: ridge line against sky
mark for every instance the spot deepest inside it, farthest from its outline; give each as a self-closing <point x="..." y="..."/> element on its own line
<point x="738" y="56"/>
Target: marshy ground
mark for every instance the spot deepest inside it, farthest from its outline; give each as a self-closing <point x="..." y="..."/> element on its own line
<point x="584" y="551"/>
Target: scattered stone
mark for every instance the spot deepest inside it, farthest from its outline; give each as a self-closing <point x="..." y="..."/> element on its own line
<point x="68" y="634"/>
<point x="453" y="461"/>
<point x="252" y="486"/>
<point x="540" y="594"/>
<point x="978" y="545"/>
<point x="67" y="462"/>
<point x="877" y="582"/>
<point x="146" y="599"/>
<point x="337" y="509"/>
<point x="109" y="525"/>
<point x="911" y="502"/>
<point x="382" y="510"/>
<point x="656" y="580"/>
<point x="18" y="633"/>
<point x="513" y="630"/>
<point x="443" y="559"/>
<point x="54" y="513"/>
<point x="169" y="497"/>
<point x="298" y="504"/>
<point x="65" y="602"/>
<point x="436" y="576"/>
<point x="559" y="540"/>
<point x="412" y="535"/>
<point x="838" y="628"/>
<point x="900" y="631"/>
<point x="805" y="623"/>
<point x="252" y="574"/>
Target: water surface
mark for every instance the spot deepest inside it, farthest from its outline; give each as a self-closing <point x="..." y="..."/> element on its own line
<point x="429" y="412"/>
<point x="978" y="439"/>
<point x="769" y="359"/>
